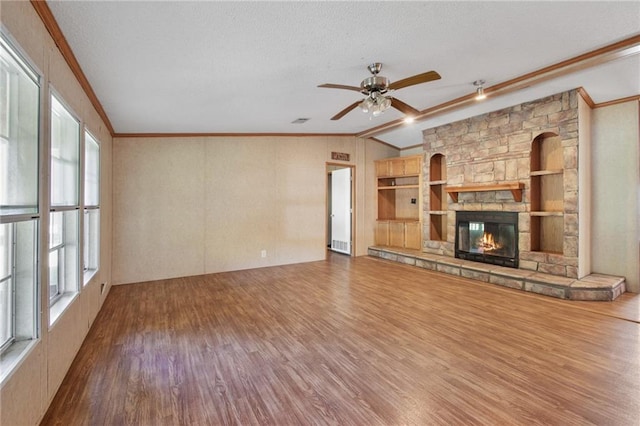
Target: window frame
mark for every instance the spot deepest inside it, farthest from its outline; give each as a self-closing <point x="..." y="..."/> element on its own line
<point x="89" y="240"/>
<point x="59" y="248"/>
<point x="10" y="277"/>
<point x="70" y="290"/>
<point x="53" y="94"/>
<point x="24" y="222"/>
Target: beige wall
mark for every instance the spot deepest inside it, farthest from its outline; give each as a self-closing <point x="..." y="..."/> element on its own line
<point x="199" y="205"/>
<point x="416" y="150"/>
<point x="616" y="192"/>
<point x="27" y="391"/>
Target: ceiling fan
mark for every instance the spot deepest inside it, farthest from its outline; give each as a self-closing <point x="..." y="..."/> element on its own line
<point x="376" y="86"/>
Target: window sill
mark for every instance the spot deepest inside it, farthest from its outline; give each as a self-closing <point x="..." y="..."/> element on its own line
<point x="13" y="356"/>
<point x="60" y="306"/>
<point x="87" y="275"/>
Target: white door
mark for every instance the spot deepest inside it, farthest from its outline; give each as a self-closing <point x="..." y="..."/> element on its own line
<point x="341" y="210"/>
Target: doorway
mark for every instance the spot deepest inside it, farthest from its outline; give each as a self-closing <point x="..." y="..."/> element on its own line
<point x="340" y="208"/>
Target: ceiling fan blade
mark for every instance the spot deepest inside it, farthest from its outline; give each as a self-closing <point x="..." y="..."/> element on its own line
<point x="339" y="86"/>
<point x="342" y="113"/>
<point x="416" y="79"/>
<point x="404" y="108"/>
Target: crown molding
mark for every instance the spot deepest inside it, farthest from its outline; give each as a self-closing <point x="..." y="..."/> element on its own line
<point x="618" y="101"/>
<point x="621" y="49"/>
<point x="250" y="135"/>
<point x="42" y="9"/>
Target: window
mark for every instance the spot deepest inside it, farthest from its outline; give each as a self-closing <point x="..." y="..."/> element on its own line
<point x="63" y="224"/>
<point x="63" y="254"/>
<point x="91" y="250"/>
<point x="65" y="153"/>
<point x="19" y="214"/>
<point x="6" y="287"/>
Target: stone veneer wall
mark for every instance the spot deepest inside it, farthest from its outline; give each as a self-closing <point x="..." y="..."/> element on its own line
<point x="496" y="148"/>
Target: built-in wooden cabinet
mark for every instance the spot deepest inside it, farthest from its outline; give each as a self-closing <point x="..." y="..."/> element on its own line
<point x="437" y="198"/>
<point x="547" y="194"/>
<point x="399" y="199"/>
<point x="396" y="233"/>
<point x="382" y="233"/>
<point x="413" y="235"/>
<point x="413" y="165"/>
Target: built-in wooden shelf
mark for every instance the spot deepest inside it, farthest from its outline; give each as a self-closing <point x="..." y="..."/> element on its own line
<point x="399" y="199"/>
<point x="547" y="214"/>
<point x="515" y="188"/>
<point x="399" y="186"/>
<point x="547" y="194"/>
<point x="546" y="172"/>
<point x="437" y="198"/>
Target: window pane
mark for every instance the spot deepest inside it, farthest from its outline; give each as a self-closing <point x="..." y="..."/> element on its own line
<point x="6" y="312"/>
<point x="24" y="279"/>
<point x="19" y="109"/>
<point x="91" y="253"/>
<point x="6" y="291"/>
<point x="63" y="257"/>
<point x="91" y="171"/>
<point x="65" y="144"/>
<point x="6" y="249"/>
<point x="55" y="229"/>
<point x="54" y="275"/>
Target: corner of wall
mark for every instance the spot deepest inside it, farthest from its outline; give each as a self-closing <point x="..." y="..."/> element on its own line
<point x="585" y="185"/>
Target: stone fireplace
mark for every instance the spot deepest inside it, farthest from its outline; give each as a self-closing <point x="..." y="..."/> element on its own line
<point x="488" y="237"/>
<point x="512" y="188"/>
<point x="521" y="160"/>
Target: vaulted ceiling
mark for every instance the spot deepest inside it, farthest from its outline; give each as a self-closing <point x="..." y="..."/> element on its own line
<point x="254" y="67"/>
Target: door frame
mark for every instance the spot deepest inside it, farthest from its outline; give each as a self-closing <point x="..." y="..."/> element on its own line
<point x="329" y="166"/>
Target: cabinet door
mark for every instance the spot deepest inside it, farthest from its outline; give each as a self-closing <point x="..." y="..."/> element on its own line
<point x="396" y="234"/>
<point x="382" y="233"/>
<point x="412" y="166"/>
<point x="396" y="167"/>
<point x="382" y="168"/>
<point x="413" y="235"/>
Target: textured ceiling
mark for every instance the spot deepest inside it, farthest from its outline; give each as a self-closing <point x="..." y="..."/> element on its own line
<point x="254" y="67"/>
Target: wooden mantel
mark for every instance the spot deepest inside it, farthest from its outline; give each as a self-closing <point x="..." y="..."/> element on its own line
<point x="514" y="187"/>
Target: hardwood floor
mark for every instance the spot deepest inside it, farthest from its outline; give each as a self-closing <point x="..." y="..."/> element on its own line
<point x="350" y="342"/>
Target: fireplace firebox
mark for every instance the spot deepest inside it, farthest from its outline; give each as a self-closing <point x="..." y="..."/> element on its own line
<point x="487" y="236"/>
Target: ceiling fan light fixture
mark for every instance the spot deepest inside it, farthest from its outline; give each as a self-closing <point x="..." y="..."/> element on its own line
<point x="479" y="90"/>
<point x="375" y="103"/>
<point x="385" y="103"/>
<point x="367" y="105"/>
<point x="375" y="87"/>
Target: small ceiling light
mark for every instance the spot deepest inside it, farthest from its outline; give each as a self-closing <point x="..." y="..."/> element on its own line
<point x="409" y="119"/>
<point x="479" y="90"/>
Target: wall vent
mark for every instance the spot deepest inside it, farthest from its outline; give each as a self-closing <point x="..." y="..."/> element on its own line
<point x="300" y="120"/>
<point x="341" y="246"/>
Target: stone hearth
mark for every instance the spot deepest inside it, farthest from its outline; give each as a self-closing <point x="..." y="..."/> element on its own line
<point x="592" y="287"/>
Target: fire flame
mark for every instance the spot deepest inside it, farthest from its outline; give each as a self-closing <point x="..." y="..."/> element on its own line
<point x="488" y="243"/>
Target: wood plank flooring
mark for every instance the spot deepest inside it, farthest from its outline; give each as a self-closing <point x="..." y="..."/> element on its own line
<point x="348" y="342"/>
